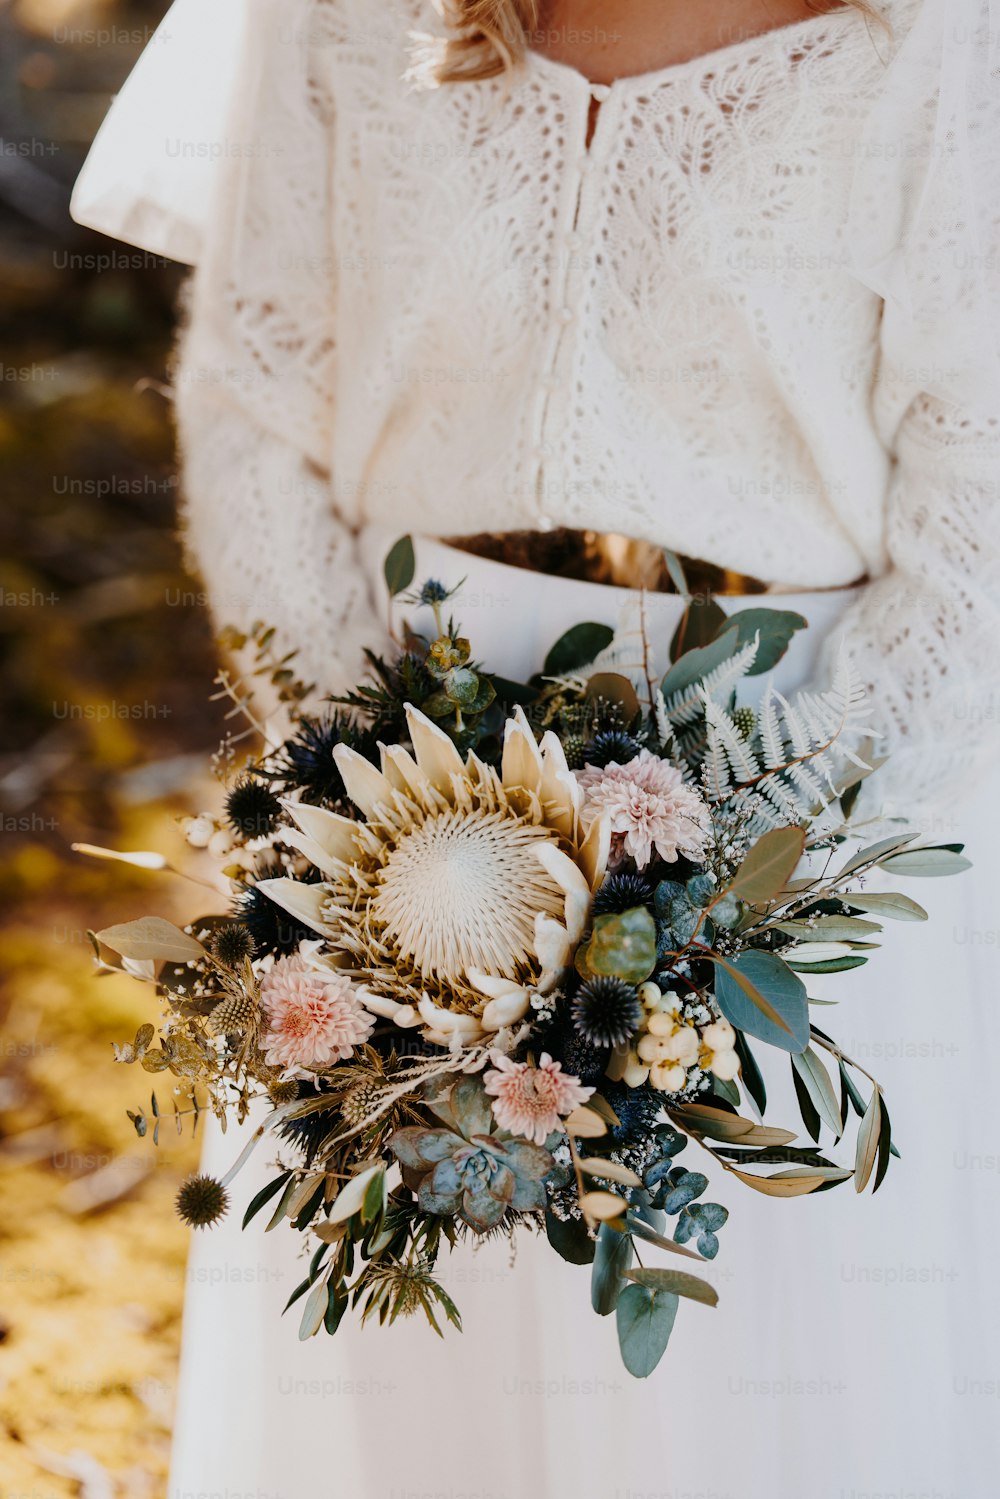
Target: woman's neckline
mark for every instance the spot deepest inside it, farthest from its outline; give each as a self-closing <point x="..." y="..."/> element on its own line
<point x="702" y="62"/>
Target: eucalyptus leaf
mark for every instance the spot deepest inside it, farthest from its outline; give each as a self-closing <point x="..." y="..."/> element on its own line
<point x="580" y="645"/>
<point x="570" y="1239"/>
<point x="675" y="569"/>
<point x="774" y="627"/>
<point x="624" y="945"/>
<point x="643" y="1231"/>
<point x="692" y="666"/>
<point x="612" y="1257"/>
<point x="760" y="994"/>
<point x="400" y="566"/>
<point x="645" y="1320"/>
<point x="678" y="1282"/>
<point x="768" y="865"/>
<point x="614" y="688"/>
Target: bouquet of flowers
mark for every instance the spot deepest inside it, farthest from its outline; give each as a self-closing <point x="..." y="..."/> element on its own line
<point x="497" y="953"/>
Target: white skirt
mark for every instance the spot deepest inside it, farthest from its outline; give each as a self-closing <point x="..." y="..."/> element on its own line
<point x="853" y="1352"/>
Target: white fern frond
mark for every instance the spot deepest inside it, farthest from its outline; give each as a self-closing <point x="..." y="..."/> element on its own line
<point x="769" y="728"/>
<point x="686" y="706"/>
<point x="715" y="777"/>
<point x="783" y="798"/>
<point x="723" y="734"/>
<point x="661" y="719"/>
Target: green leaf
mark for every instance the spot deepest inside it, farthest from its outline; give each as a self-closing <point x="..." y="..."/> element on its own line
<point x="644" y="1231"/>
<point x="816" y="1081"/>
<point x="612" y="1257"/>
<point x="828" y="965"/>
<point x="314" y="1311"/>
<point x="829" y="928"/>
<point x="800" y="1181"/>
<point x="264" y="1196"/>
<point x="760" y="994"/>
<point x="678" y="1282"/>
<point x="374" y="1201"/>
<point x="775" y="628"/>
<point x="810" y="1115"/>
<point x="885" y="1147"/>
<point x="874" y="852"/>
<point x="615" y="689"/>
<point x="336" y="1306"/>
<point x="868" y="1142"/>
<point x="577" y="648"/>
<point x="891" y="905"/>
<point x="624" y="945"/>
<point x="462" y="686"/>
<point x="675" y="569"/>
<point x="698" y="626"/>
<point x="850" y="1094"/>
<point x="696" y="664"/>
<point x="570" y="1239"/>
<point x="298" y="1293"/>
<point x="645" y="1320"/>
<point x="151" y="937"/>
<point x="768" y="865"/>
<point x="279" y="1212"/>
<point x="399" y="566"/>
<point x="925" y="863"/>
<point x="753" y="1078"/>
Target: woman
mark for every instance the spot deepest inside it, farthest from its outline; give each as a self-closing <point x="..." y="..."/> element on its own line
<point x="717" y="278"/>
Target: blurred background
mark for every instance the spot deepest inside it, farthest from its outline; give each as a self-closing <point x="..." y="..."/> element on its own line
<point x="105" y="734"/>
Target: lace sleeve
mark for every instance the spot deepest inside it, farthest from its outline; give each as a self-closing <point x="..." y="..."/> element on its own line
<point x="926" y="635"/>
<point x="255" y="371"/>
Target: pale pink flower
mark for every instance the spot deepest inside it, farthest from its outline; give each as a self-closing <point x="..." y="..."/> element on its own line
<point x="532" y="1101"/>
<point x="649" y="807"/>
<point x="314" y="1017"/>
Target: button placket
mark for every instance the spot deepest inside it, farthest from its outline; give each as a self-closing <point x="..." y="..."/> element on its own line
<point x="567" y="279"/>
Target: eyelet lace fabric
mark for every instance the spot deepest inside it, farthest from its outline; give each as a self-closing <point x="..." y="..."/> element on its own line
<point x="441" y="310"/>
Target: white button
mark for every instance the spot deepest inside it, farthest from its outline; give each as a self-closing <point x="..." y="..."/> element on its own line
<point x="550" y="382"/>
<point x="573" y="241"/>
<point x="544" y="523"/>
<point x="600" y="91"/>
<point x="566" y="314"/>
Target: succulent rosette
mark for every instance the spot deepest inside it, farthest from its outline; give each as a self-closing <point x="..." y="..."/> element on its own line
<point x="470" y="1168"/>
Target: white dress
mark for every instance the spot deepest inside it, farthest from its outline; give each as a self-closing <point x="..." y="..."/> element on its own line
<point x="437" y="311"/>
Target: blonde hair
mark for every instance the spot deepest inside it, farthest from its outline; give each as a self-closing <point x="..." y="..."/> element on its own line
<point x="489" y="36"/>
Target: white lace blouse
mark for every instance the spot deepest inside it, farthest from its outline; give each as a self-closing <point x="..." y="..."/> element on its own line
<point x="439" y="310"/>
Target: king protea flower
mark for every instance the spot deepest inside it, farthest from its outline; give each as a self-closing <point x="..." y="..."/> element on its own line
<point x="463" y="891"/>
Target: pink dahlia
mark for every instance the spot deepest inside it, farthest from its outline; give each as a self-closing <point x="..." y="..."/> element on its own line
<point x="313" y="1015"/>
<point x="649" y="807"/>
<point x="532" y="1101"/>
